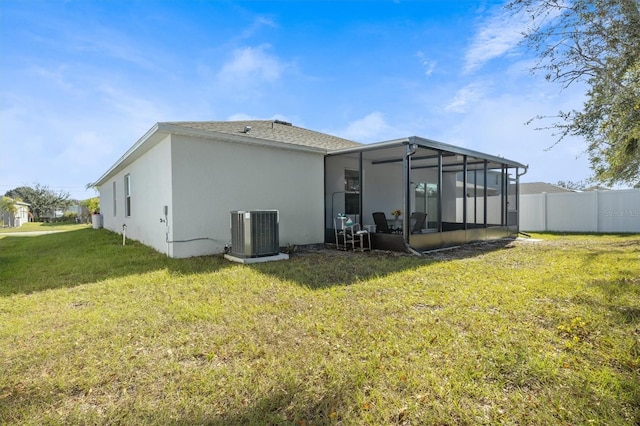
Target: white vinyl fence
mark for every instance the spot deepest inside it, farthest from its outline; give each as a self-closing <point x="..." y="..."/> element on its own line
<point x="591" y="211"/>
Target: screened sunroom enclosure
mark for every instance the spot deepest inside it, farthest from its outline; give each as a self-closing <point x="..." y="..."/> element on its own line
<point x="466" y="195"/>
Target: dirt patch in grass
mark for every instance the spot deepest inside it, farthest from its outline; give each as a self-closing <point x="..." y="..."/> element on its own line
<point x="449" y="253"/>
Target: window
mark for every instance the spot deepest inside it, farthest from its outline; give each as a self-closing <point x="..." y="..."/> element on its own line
<point x="114" y="198"/>
<point x="352" y="192"/>
<point x="127" y="195"/>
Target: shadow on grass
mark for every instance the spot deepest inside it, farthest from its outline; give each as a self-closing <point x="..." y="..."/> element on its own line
<point x="626" y="279"/>
<point x="88" y="255"/>
<point x="321" y="268"/>
<point x="281" y="407"/>
<point x="615" y="290"/>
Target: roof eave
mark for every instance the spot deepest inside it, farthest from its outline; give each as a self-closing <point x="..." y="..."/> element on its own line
<point x="122" y="160"/>
<point x="430" y="144"/>
<point x="370" y="147"/>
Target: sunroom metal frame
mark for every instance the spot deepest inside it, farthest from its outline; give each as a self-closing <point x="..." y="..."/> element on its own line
<point x="417" y="154"/>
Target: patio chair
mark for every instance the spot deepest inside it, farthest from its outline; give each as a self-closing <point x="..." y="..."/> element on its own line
<point x="349" y="235"/>
<point x="380" y="219"/>
<point x="419" y="219"/>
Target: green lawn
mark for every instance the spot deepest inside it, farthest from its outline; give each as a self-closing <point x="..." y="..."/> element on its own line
<point x="92" y="332"/>
<point x="41" y="226"/>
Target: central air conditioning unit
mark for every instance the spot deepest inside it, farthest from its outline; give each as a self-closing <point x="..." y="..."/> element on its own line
<point x="254" y="233"/>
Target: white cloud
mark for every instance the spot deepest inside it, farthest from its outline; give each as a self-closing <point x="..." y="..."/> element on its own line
<point x="249" y="67"/>
<point x="241" y="116"/>
<point x="429" y="65"/>
<point x="466" y="96"/>
<point x="55" y="75"/>
<point x="105" y="40"/>
<point x="372" y="127"/>
<point x="87" y="148"/>
<point x="497" y="35"/>
<point x="257" y="25"/>
<point x="134" y="106"/>
<point x="495" y="125"/>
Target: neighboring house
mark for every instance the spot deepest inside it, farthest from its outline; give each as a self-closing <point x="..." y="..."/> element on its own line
<point x="541" y="187"/>
<point x="51" y="215"/>
<point x="19" y="218"/>
<point x="175" y="187"/>
<point x="80" y="210"/>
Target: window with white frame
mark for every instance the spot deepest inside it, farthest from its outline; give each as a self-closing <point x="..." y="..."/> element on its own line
<point x="127" y="195"/>
<point x="114" y="198"/>
<point x="352" y="191"/>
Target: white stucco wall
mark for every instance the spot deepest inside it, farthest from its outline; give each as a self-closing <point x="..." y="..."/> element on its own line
<point x="383" y="190"/>
<point x="212" y="178"/>
<point x="22" y="214"/>
<point x="150" y="191"/>
<point x="334" y="181"/>
<point x="382" y="187"/>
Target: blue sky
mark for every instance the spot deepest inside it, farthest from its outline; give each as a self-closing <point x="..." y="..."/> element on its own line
<point x="81" y="81"/>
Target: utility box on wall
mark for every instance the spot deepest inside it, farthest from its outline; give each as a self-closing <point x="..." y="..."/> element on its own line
<point x="255" y="233"/>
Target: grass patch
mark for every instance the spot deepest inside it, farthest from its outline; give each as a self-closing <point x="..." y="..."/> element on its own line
<point x="518" y="333"/>
<point x="41" y="226"/>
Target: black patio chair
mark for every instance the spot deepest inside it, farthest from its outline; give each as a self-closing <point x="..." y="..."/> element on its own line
<point x="419" y="219"/>
<point x="380" y="220"/>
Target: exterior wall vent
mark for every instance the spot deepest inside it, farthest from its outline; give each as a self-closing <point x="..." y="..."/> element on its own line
<point x="255" y="233"/>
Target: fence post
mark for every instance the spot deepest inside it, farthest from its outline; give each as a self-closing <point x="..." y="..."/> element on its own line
<point x="544" y="211"/>
<point x="597" y="207"/>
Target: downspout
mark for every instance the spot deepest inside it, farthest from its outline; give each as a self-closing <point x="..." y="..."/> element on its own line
<point x="411" y="149"/>
<point x="475" y="196"/>
<point x="361" y="191"/>
<point x="440" y="196"/>
<point x="485" y="209"/>
<point x="518" y="174"/>
<point x="326" y="198"/>
<point x="465" y="177"/>
<point x="504" y="177"/>
<point x="526" y="168"/>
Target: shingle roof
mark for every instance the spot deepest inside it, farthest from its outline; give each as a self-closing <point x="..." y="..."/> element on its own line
<point x="271" y="130"/>
<point x="540" y="187"/>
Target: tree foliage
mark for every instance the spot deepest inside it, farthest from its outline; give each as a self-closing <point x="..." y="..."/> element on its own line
<point x="8" y="205"/>
<point x="92" y="204"/>
<point x="41" y="199"/>
<point x="579" y="185"/>
<point x="596" y="42"/>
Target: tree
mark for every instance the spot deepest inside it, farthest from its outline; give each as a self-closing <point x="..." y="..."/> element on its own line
<point x="8" y="210"/>
<point x="22" y="192"/>
<point x="41" y="199"/>
<point x="8" y="205"/>
<point x="596" y="42"/>
<point x="92" y="204"/>
<point x="580" y="185"/>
